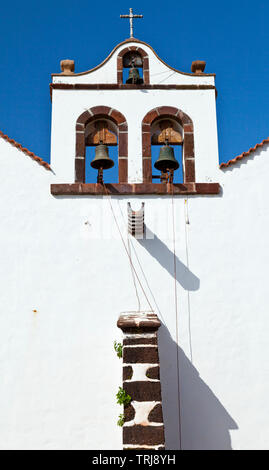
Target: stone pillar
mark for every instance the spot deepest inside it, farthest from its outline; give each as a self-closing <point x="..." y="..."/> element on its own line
<point x="143" y="427"/>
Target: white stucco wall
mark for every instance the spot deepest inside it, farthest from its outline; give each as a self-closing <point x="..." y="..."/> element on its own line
<point x="199" y="105"/>
<point x="63" y="258"/>
<point x="65" y="278"/>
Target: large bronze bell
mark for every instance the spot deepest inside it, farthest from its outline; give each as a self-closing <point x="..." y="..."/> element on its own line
<point x="101" y="159"/>
<point x="166" y="160"/>
<point x="134" y="76"/>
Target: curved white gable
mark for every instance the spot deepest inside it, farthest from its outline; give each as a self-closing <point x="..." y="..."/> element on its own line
<point x="160" y="73"/>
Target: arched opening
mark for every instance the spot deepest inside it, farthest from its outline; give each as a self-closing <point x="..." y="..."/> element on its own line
<point x="166" y="132"/>
<point x="101" y="133"/>
<point x="130" y="62"/>
<point x="132" y="68"/>
<point x="167" y="125"/>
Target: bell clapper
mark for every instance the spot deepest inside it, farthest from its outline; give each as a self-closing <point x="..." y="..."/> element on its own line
<point x="166" y="163"/>
<point x="132" y="68"/>
<point x="100" y="176"/>
<point x="164" y="177"/>
<point x="171" y="176"/>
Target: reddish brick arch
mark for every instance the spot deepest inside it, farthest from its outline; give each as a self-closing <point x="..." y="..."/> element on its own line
<point x="188" y="143"/>
<point x="90" y="115"/>
<point x="145" y="60"/>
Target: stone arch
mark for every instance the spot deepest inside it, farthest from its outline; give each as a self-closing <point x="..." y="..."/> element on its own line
<point x="90" y="115"/>
<point x="188" y="142"/>
<point x="145" y="60"/>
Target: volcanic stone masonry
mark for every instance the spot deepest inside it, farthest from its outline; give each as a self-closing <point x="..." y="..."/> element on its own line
<point x="143" y="426"/>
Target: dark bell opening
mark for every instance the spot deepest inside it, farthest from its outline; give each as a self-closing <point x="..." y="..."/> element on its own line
<point x="134" y="76"/>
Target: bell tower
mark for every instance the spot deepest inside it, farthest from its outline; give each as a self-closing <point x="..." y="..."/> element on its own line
<point x="135" y="102"/>
<point x="154" y="104"/>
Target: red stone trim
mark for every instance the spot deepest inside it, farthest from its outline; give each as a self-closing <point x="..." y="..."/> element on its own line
<point x="144" y="436"/>
<point x="244" y="154"/>
<point x="141" y="354"/>
<point x="135" y="341"/>
<point x="142" y="390"/>
<point x="130" y="40"/>
<point x="144" y="428"/>
<point x="90" y="115"/>
<point x="153" y="372"/>
<point x="156" y="415"/>
<point x="126" y="86"/>
<point x="26" y="151"/>
<point x="145" y="61"/>
<point x="95" y="189"/>
<point x="188" y="143"/>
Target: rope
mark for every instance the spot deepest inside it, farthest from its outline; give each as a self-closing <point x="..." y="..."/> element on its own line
<point x="130" y="259"/>
<point x="187" y="221"/>
<point x="176" y="301"/>
<point x="176" y="310"/>
<point x="145" y="278"/>
<point x="132" y="271"/>
<point x="143" y="273"/>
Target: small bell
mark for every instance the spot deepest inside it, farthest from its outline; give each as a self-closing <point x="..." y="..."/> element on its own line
<point x="101" y="159"/>
<point x="134" y="76"/>
<point x="166" y="160"/>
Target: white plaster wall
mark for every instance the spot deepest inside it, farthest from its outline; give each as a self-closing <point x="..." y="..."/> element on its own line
<point x="228" y="315"/>
<point x="199" y="105"/>
<point x="64" y="258"/>
<point x="159" y="72"/>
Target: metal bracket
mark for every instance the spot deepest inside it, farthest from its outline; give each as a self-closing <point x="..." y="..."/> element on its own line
<point x="136" y="221"/>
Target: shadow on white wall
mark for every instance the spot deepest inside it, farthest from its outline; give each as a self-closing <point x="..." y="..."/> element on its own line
<point x="205" y="423"/>
<point x="165" y="257"/>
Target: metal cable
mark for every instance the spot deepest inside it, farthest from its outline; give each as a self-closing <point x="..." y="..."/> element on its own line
<point x="176" y="310"/>
<point x="187" y="221"/>
<point x="144" y="276"/>
<point x="143" y="273"/>
<point x="134" y="270"/>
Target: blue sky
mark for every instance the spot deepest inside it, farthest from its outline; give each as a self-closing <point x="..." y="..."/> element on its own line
<point x="231" y="36"/>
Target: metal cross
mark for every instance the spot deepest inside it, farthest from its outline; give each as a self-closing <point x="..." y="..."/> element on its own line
<point x="131" y="16"/>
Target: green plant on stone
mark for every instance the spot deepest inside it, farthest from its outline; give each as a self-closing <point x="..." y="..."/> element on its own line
<point x="122" y="397"/>
<point x="118" y="349"/>
<point x="121" y="420"/>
